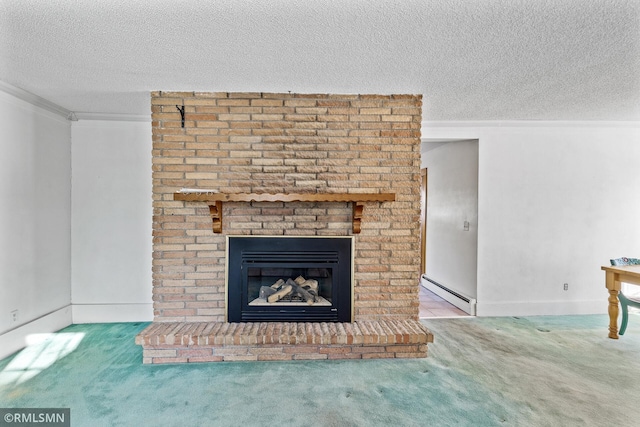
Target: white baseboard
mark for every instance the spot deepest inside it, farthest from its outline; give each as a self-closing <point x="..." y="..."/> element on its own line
<point x="551" y="308"/>
<point x="16" y="339"/>
<point x="519" y="308"/>
<point x="112" y="313"/>
<point x="468" y="305"/>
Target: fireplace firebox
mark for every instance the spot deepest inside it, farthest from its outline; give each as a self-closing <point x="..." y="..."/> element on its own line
<point x="289" y="279"/>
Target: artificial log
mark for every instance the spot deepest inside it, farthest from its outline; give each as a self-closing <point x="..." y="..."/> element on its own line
<point x="295" y="289"/>
<point x="286" y="289"/>
<point x="307" y="284"/>
<point x="311" y="286"/>
<point x="307" y="290"/>
<point x="278" y="284"/>
<point x="266" y="292"/>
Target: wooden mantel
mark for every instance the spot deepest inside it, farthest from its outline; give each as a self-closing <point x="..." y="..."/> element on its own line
<point x="214" y="200"/>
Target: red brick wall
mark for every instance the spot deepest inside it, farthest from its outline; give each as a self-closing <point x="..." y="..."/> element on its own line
<point x="263" y="142"/>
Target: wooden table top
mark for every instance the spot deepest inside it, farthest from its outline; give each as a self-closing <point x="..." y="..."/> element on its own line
<point x="629" y="270"/>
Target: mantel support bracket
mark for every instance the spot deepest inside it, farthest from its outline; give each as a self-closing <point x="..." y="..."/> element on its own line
<point x="215" y="211"/>
<point x="358" y="209"/>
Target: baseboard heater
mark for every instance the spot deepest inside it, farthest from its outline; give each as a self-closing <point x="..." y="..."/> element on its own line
<point x="464" y="303"/>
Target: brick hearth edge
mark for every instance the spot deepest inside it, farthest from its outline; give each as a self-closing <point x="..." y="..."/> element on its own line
<point x="188" y="342"/>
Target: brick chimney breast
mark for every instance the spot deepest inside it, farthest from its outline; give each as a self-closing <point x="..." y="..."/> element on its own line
<point x="285" y="143"/>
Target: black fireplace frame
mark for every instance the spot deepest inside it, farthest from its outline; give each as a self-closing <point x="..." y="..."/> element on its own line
<point x="334" y="253"/>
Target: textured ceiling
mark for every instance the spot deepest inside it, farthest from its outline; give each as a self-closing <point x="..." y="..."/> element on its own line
<point x="471" y="60"/>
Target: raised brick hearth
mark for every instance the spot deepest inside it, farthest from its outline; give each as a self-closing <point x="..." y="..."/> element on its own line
<point x="286" y="143"/>
<point x="176" y="342"/>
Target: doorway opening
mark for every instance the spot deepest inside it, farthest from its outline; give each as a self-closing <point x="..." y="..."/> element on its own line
<point x="449" y="232"/>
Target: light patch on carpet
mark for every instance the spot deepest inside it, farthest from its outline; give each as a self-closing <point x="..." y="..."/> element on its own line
<point x="41" y="351"/>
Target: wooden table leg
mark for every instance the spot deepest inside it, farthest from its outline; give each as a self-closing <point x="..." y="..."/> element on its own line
<point x="613" y="314"/>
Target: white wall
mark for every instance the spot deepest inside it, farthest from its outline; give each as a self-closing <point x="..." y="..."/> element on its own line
<point x="555" y="202"/>
<point x="452" y="199"/>
<point x="35" y="264"/>
<point x="111" y="221"/>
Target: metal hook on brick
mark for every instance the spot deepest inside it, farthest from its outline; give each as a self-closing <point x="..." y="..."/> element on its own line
<point x="181" y="113"/>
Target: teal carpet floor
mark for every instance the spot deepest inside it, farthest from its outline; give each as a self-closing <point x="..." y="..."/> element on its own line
<point x="534" y="371"/>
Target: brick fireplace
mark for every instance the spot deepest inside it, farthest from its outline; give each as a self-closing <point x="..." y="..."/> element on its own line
<point x="256" y="143"/>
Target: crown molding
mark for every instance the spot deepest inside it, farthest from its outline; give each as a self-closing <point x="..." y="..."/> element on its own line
<point x="73" y="116"/>
<point x="112" y="116"/>
<point x="529" y="124"/>
<point x="34" y="100"/>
